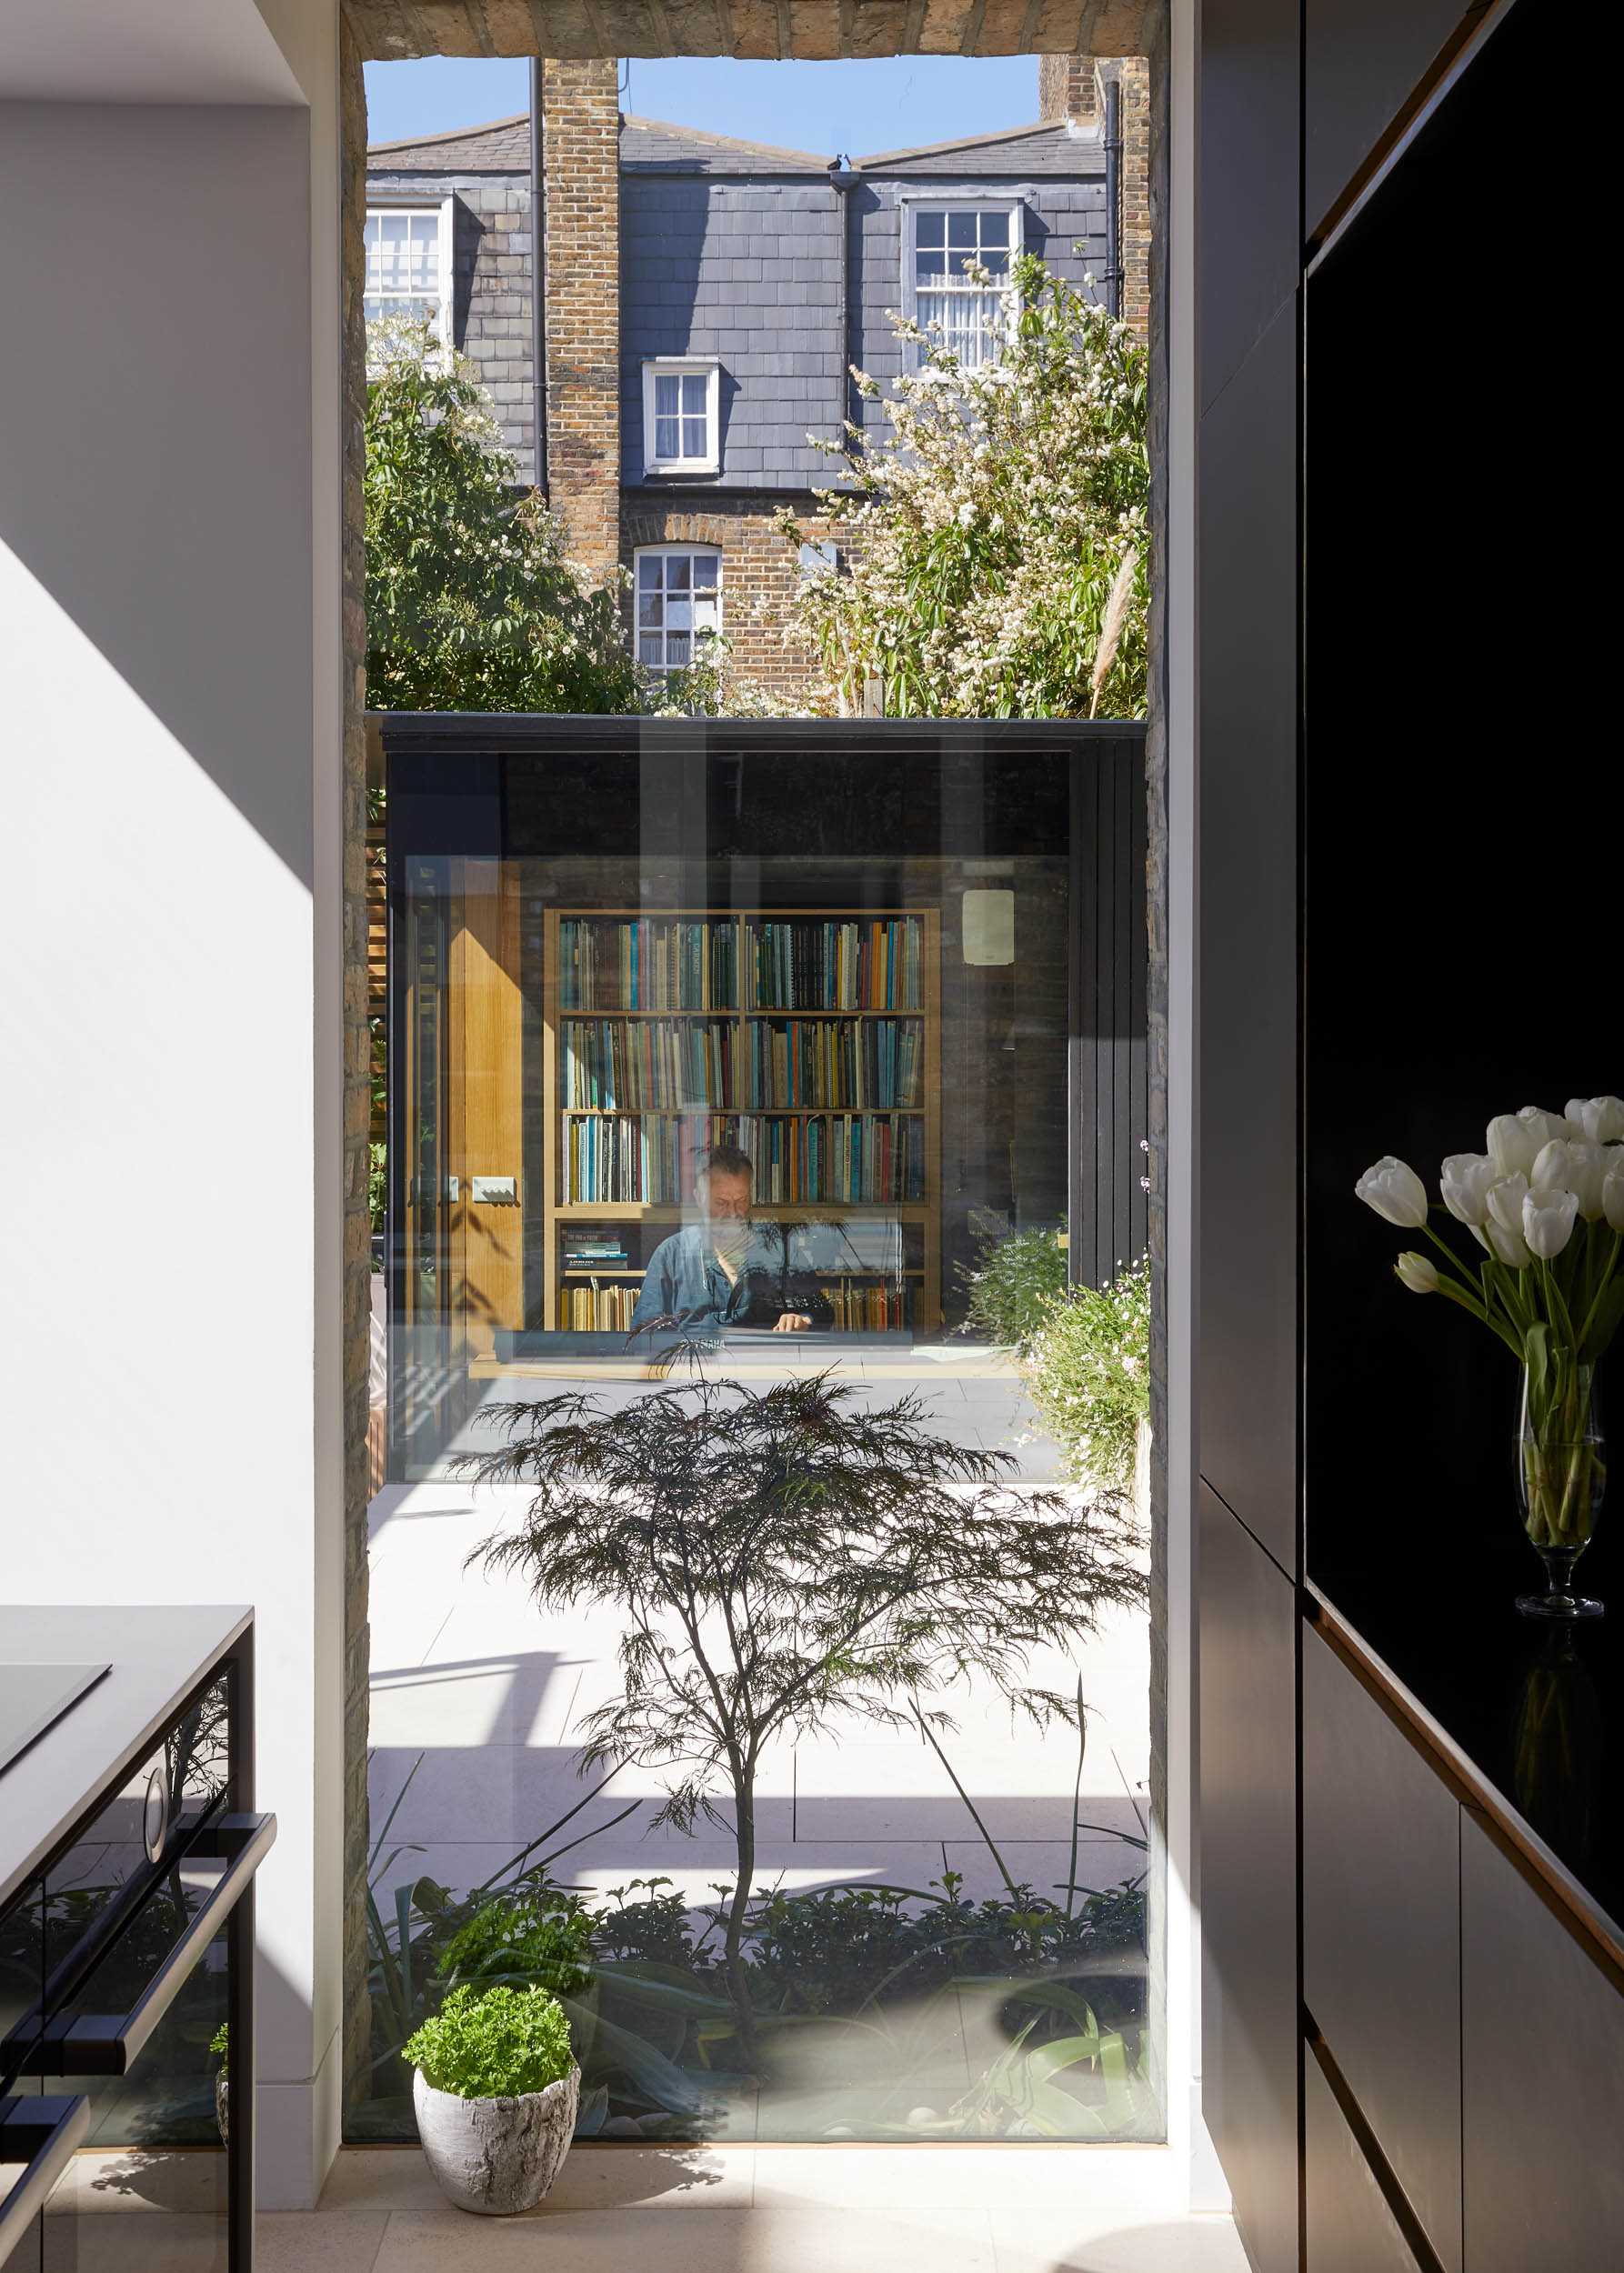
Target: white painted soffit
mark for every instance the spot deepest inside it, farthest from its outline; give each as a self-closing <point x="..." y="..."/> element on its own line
<point x="143" y="51"/>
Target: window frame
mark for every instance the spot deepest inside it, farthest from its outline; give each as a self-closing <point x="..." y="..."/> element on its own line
<point x="665" y="548"/>
<point x="913" y="203"/>
<point x="445" y="279"/>
<point x="708" y="367"/>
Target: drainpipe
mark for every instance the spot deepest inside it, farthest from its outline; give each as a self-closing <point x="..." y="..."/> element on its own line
<point x="538" y="278"/>
<point x="843" y="180"/>
<point x="1113" y="195"/>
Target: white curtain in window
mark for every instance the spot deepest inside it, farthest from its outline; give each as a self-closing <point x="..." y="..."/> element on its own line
<point x="968" y="315"/>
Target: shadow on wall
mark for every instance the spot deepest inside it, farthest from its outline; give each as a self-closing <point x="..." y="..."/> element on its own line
<point x="162" y="495"/>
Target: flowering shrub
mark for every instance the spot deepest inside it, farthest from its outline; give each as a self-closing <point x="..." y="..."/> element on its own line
<point x="494" y="2046"/>
<point x="1012" y="1284"/>
<point x="471" y="604"/>
<point x="1087" y="1372"/>
<point x="997" y="532"/>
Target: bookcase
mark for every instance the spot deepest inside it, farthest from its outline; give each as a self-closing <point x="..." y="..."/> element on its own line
<point x="811" y="1037"/>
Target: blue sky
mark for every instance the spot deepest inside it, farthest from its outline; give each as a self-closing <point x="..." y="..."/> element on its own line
<point x="857" y="107"/>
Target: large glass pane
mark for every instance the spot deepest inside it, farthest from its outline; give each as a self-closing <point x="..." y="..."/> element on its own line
<point x="730" y="1063"/>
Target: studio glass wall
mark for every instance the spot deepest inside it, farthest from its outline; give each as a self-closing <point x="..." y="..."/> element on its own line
<point x="725" y="1062"/>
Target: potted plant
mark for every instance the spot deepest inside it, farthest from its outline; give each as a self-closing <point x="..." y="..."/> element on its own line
<point x="219" y="2044"/>
<point x="496" y="2091"/>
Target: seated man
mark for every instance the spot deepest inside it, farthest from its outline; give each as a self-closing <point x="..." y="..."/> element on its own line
<point x="727" y="1270"/>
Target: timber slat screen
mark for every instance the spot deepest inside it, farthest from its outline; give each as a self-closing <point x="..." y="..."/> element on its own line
<point x="1110" y="1207"/>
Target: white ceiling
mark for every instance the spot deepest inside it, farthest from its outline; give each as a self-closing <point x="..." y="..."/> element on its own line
<point x="141" y="50"/>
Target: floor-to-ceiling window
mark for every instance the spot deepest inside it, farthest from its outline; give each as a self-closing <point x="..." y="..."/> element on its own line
<point x="746" y="1083"/>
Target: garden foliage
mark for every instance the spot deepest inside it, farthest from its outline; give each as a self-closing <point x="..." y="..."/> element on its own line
<point x="997" y="534"/>
<point x="471" y="602"/>
<point x="782" y="1555"/>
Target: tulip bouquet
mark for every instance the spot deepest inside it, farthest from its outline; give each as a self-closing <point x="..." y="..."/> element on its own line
<point x="1546" y="1205"/>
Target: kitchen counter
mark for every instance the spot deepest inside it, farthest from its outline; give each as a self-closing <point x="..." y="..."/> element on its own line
<point x="155" y="1658"/>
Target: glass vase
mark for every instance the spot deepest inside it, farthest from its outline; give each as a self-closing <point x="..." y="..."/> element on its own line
<point x="1561" y="1472"/>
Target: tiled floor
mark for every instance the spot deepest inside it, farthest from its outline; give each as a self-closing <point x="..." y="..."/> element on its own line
<point x="765" y="2211"/>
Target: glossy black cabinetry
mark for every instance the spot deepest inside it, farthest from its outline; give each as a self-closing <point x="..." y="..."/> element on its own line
<point x="1361" y="59"/>
<point x="1248" y="1845"/>
<point x="1248" y="1004"/>
<point x="1381" y="1932"/>
<point x="1249" y="245"/>
<point x="1542" y="2044"/>
<point x="1349" y="2228"/>
<point x="1360" y="995"/>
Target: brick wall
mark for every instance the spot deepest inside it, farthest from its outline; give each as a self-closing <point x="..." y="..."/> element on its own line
<point x="581" y="117"/>
<point x="760" y="571"/>
<point x="1073" y="87"/>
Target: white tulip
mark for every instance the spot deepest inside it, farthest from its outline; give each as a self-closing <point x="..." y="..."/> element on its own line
<point x="1395" y="1191"/>
<point x="1515" y="1138"/>
<point x="1505" y="1202"/>
<point x="1548" y="1221"/>
<point x="1584" y="1166"/>
<point x="1506" y="1246"/>
<point x="1612" y="1186"/>
<point x="1601" y="1120"/>
<point x="1417" y="1272"/>
<point x="1465" y="1182"/>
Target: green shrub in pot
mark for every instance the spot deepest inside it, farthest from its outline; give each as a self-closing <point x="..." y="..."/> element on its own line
<point x="497" y="2091"/>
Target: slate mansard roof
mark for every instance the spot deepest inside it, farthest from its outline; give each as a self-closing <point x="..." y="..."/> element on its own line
<point x="753" y="258"/>
<point x="649" y="145"/>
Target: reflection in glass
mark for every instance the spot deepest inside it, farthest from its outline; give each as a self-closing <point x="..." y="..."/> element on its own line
<point x="719" y="1067"/>
<point x="1558" y="1747"/>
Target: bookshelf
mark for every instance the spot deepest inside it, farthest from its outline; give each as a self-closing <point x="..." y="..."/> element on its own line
<point x="811" y="1037"/>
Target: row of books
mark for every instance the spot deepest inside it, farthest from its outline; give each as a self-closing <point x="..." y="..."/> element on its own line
<point x="830" y="1156"/>
<point x="598" y="1309"/>
<point x="647" y="963"/>
<point x="610" y="1066"/>
<point x="860" y="1308"/>
<point x="806" y="965"/>
<point x="793" y="963"/>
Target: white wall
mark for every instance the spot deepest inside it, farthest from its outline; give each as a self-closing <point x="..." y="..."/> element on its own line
<point x="170" y="1020"/>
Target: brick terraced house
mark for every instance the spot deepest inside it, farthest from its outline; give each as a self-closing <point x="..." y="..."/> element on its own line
<point x="704" y="299"/>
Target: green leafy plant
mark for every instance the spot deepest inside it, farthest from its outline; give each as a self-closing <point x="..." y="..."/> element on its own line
<point x="1088" y="1373"/>
<point x="781" y="1554"/>
<point x="997" y="532"/>
<point x="219" y="2044"/>
<point x="406" y="1951"/>
<point x="542" y="1935"/>
<point x="471" y="603"/>
<point x="493" y="2044"/>
<point x="1011" y="1283"/>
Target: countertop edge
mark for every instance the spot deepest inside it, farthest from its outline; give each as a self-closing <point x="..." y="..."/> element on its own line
<point x="156" y="1654"/>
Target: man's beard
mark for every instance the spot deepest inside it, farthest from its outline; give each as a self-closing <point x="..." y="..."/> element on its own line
<point x="730" y="1237"/>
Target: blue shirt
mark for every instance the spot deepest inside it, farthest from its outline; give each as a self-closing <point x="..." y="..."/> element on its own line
<point x="686" y="1283"/>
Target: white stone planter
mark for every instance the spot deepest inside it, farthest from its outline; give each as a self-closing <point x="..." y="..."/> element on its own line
<point x="497" y="2157"/>
<point x="223" y="2107"/>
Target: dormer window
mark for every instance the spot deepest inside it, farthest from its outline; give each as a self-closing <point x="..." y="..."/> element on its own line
<point x="408" y="264"/>
<point x="681" y="398"/>
<point x="943" y="244"/>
